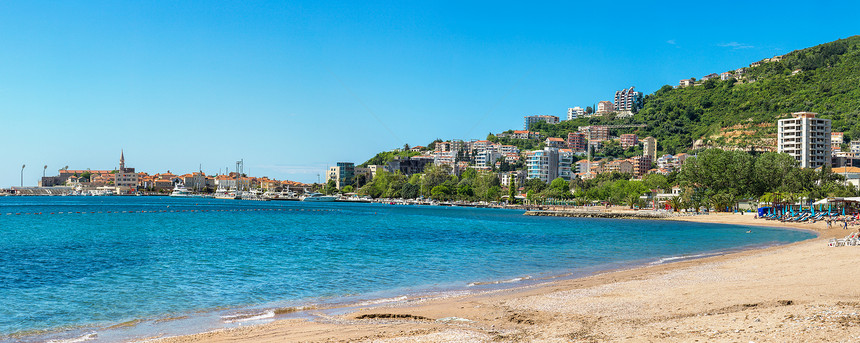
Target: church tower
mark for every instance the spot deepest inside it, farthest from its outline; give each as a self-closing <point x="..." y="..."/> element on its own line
<point x="121" y="161"/>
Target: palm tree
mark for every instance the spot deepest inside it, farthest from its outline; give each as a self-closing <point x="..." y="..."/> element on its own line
<point x="632" y="200"/>
<point x="676" y="203"/>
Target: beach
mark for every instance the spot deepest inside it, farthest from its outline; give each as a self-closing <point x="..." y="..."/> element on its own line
<point x="804" y="291"/>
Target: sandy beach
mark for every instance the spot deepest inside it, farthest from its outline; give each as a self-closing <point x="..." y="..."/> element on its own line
<point x="800" y="292"/>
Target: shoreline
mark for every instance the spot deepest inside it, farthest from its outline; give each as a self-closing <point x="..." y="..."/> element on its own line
<point x="455" y="317"/>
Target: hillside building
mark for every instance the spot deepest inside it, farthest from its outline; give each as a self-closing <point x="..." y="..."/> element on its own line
<point x="575" y="112"/>
<point x="577" y="141"/>
<point x="806" y="138"/>
<point x="629" y="140"/>
<point x="595" y="133"/>
<point x="605" y="107"/>
<point x="836" y="138"/>
<point x="649" y="148"/>
<point x="529" y="120"/>
<point x="628" y="100"/>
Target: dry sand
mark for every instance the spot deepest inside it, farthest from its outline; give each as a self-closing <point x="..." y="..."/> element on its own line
<point x="801" y="292"/>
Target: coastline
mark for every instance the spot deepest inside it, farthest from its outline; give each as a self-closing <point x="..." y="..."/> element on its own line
<point x="799" y="291"/>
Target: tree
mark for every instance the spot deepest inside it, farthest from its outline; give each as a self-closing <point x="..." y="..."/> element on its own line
<point x="440" y="192"/>
<point x="655" y="181"/>
<point x="409" y="191"/>
<point x="676" y="203"/>
<point x="347" y="189"/>
<point x="589" y="110"/>
<point x="534" y="185"/>
<point x="330" y="187"/>
<point x="512" y="190"/>
<point x="558" y="189"/>
<point x="494" y="193"/>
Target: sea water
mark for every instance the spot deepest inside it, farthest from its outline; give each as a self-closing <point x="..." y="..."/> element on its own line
<point x="81" y="264"/>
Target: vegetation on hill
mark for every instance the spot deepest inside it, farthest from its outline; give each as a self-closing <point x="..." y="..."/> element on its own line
<point x="388" y="156"/>
<point x="743" y="113"/>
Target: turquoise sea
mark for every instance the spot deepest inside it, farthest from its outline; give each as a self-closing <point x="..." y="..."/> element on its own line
<point x="70" y="267"/>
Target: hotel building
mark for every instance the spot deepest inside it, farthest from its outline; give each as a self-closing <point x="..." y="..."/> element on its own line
<point x="806" y="138"/>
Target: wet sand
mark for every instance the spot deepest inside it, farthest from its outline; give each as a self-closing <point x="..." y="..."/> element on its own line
<point x="805" y="291"/>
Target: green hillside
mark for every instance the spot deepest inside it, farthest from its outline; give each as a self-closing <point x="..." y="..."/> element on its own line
<point x="743" y="112"/>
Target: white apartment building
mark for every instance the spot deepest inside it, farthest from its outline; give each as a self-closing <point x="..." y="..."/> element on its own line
<point x="628" y="100"/>
<point x="486" y="158"/>
<point x="576" y="112"/>
<point x="605" y="107"/>
<point x="806" y="138"/>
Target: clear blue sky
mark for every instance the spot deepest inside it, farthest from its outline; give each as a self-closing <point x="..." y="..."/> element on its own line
<point x="294" y="86"/>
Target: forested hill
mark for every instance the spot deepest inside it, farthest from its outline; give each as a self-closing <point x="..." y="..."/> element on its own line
<point x="742" y="112"/>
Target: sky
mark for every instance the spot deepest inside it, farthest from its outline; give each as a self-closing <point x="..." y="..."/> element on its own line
<point x="292" y="87"/>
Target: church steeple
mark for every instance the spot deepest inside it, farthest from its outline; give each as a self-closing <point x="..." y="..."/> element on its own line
<point x="121" y="160"/>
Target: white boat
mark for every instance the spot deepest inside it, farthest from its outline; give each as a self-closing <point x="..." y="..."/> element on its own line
<point x="180" y="191"/>
<point x="319" y="197"/>
<point x="225" y="194"/>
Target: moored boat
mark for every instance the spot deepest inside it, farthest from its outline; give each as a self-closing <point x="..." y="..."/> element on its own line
<point x="319" y="197"/>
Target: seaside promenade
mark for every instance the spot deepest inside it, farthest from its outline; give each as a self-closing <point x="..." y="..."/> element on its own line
<point x="805" y="291"/>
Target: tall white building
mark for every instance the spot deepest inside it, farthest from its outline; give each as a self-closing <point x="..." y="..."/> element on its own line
<point x="806" y="138"/>
<point x="628" y="100"/>
<point x="576" y="112"/>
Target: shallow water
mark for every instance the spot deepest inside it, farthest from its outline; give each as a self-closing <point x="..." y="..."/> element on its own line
<point x="181" y="256"/>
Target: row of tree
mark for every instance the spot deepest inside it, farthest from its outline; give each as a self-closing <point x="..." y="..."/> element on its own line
<point x="712" y="178"/>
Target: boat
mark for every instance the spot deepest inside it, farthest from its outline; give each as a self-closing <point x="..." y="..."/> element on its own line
<point x="180" y="191"/>
<point x="225" y="194"/>
<point x="319" y="197"/>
